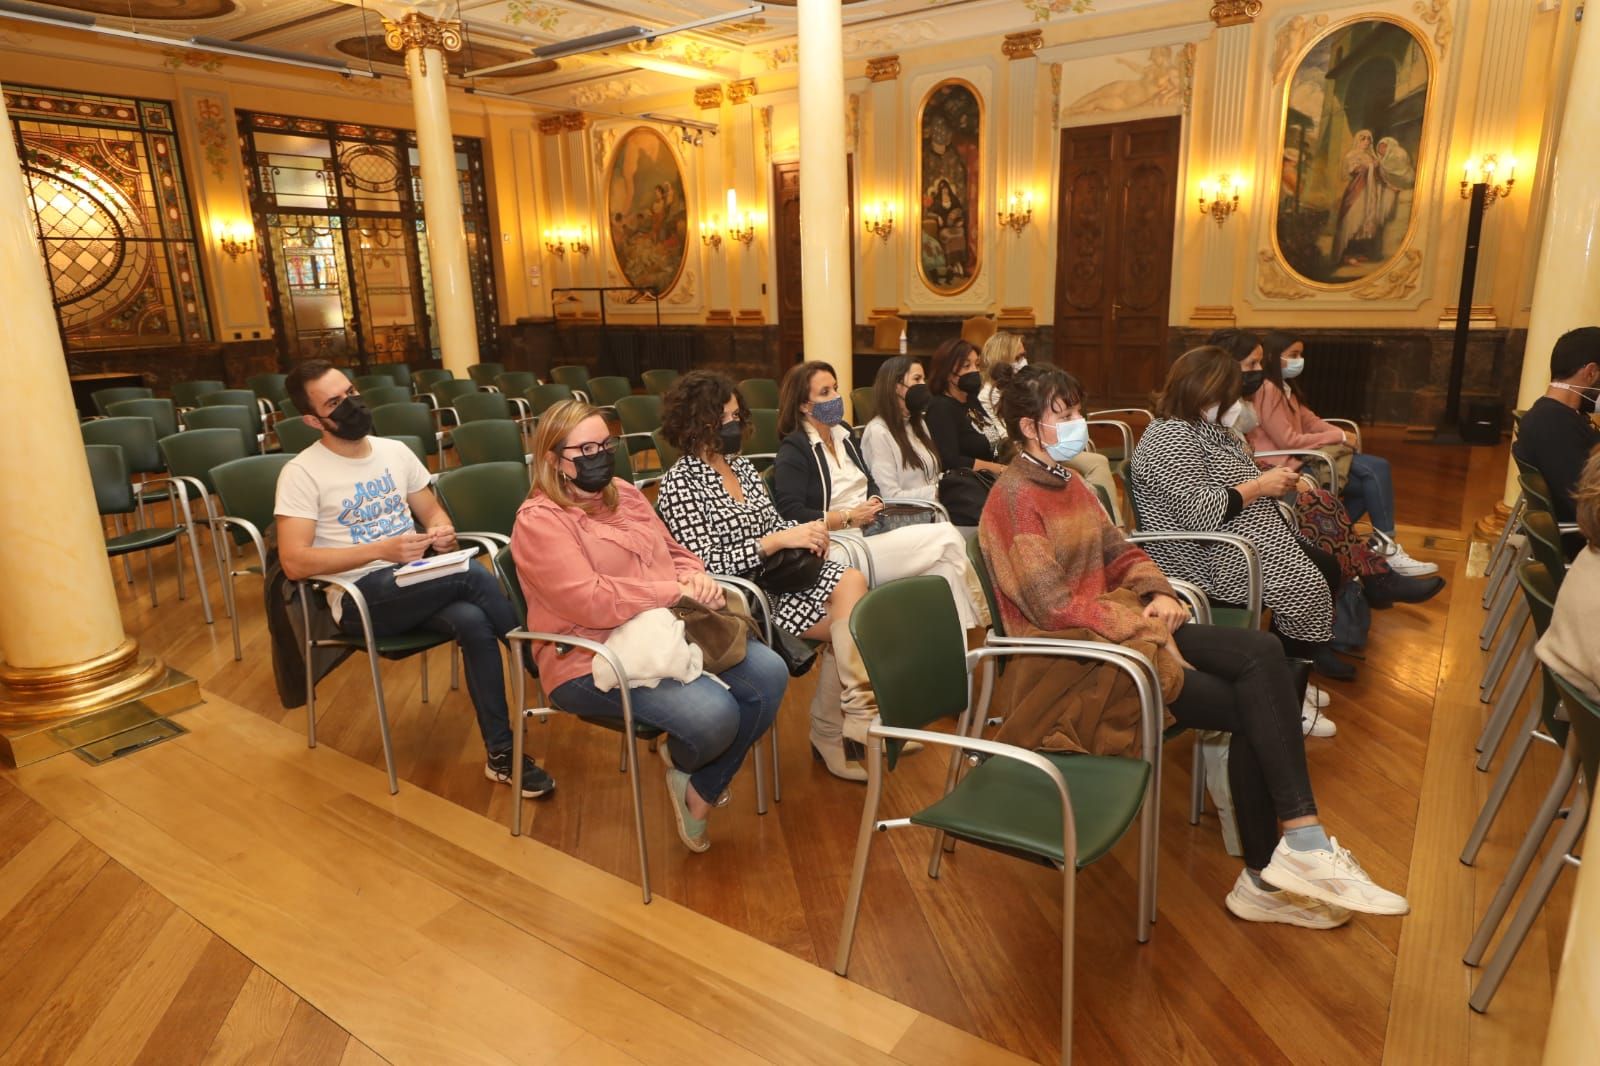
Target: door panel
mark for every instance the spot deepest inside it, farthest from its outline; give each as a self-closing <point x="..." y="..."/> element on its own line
<point x="786" y="198"/>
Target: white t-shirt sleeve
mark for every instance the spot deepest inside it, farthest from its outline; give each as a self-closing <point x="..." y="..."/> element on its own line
<point x="416" y="475"/>
<point x="297" y="495"/>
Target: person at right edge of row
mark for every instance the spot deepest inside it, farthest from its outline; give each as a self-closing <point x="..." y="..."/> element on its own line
<point x="1061" y="567"/>
<point x="1557" y="432"/>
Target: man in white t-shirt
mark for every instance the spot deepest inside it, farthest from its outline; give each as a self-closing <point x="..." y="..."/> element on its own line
<point x="348" y="506"/>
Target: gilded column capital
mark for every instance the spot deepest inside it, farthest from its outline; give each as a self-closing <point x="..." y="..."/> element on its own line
<point x="1024" y="45"/>
<point x="550" y="124"/>
<point x="1235" y="12"/>
<point x="740" y="91"/>
<point x="707" y="97"/>
<point x="574" y="121"/>
<point x="417" y="31"/>
<point x="883" y="68"/>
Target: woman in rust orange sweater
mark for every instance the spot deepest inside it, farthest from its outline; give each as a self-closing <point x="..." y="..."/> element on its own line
<point x="1059" y="564"/>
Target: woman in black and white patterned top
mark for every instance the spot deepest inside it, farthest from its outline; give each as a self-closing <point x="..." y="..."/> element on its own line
<point x="716" y="505"/>
<point x="1190" y="474"/>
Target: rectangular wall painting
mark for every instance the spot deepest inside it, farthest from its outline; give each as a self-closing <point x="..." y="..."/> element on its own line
<point x="948" y="140"/>
<point x="646" y="207"/>
<point x="1351" y="140"/>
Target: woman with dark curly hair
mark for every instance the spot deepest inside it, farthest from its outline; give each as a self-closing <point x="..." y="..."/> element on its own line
<point x="715" y="504"/>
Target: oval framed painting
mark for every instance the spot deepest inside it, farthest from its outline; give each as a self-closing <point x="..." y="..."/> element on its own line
<point x="1350" y="147"/>
<point x="949" y="184"/>
<point x="646" y="211"/>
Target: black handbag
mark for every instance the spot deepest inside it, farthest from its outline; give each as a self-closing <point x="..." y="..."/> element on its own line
<point x="964" y="491"/>
<point x="895" y="515"/>
<point x="795" y="652"/>
<point x="787" y="570"/>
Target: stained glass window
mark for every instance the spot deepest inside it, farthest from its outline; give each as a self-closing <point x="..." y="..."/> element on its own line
<point x="112" y="217"/>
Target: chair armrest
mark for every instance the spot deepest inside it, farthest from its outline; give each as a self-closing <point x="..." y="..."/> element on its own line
<point x="1148" y="416"/>
<point x="922" y="505"/>
<point x="353" y="594"/>
<point x="1307" y="454"/>
<point x="181" y="486"/>
<point x="753" y="594"/>
<point x="222" y="521"/>
<point x="1230" y="540"/>
<point x="524" y="409"/>
<point x="1355" y="430"/>
<point x="488" y="388"/>
<point x="1195" y="596"/>
<point x="489" y="542"/>
<point x="643" y="483"/>
<point x="567" y="640"/>
<point x="440" y="412"/>
<point x="1122" y="428"/>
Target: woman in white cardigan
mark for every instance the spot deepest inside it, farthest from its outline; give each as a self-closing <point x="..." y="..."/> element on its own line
<point x="1571" y="646"/>
<point x="900" y="454"/>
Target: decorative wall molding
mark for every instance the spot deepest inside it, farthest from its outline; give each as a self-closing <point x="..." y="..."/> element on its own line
<point x="1274" y="282"/>
<point x="785" y="55"/>
<point x="1022" y="45"/>
<point x="416" y="31"/>
<point x="1042" y="10"/>
<point x="603" y="141"/>
<point x="740" y="91"/>
<point x="707" y="97"/>
<point x="574" y="121"/>
<point x="1055" y="97"/>
<point x="1398" y="282"/>
<point x="550" y="124"/>
<point x="852" y="121"/>
<point x="1291" y="38"/>
<point x="1159" y="83"/>
<point x="1186" y="75"/>
<point x="1436" y="13"/>
<point x="211" y="120"/>
<point x="891" y="37"/>
<point x="883" y="68"/>
<point x="605" y="92"/>
<point x="1235" y="12"/>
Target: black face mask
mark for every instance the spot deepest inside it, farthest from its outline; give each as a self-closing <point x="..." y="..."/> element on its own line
<point x="731" y="437"/>
<point x="594" y="472"/>
<point x="352" y="419"/>
<point x="1253" y="380"/>
<point x="970" y="383"/>
<point x="917" y="398"/>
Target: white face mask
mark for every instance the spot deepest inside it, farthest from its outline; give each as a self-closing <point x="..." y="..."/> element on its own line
<point x="1229" y="417"/>
<point x="1293" y="367"/>
<point x="1022" y="361"/>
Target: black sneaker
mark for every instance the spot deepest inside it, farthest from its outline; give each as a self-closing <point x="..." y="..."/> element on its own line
<point x="535" y="782"/>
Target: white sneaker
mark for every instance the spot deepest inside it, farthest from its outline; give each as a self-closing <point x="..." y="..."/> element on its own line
<point x="1334" y="877"/>
<point x="1404" y="565"/>
<point x="1313" y="723"/>
<point x="1316" y="698"/>
<point x="1289" y="908"/>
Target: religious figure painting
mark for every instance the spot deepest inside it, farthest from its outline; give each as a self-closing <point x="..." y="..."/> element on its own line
<point x="646" y="210"/>
<point x="949" y="142"/>
<point x="1351" y="146"/>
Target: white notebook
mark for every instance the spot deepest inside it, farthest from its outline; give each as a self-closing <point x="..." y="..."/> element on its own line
<point x="433" y="566"/>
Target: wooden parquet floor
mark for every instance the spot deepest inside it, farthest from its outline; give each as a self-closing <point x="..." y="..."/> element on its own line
<point x="978" y="949"/>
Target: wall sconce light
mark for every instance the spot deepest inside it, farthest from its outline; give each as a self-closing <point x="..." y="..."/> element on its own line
<point x="1219" y="197"/>
<point x="741" y="226"/>
<point x="878" y="219"/>
<point x="1018" y="212"/>
<point x="235" y="238"/>
<point x="711" y="235"/>
<point x="578" y="240"/>
<point x="555" y="243"/>
<point x="1476" y="173"/>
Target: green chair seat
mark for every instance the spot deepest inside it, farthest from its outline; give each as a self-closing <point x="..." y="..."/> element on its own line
<point x="1008" y="805"/>
<point x="141" y="539"/>
<point x="1231" y="617"/>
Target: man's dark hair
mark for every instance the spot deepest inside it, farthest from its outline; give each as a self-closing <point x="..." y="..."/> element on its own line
<point x="691" y="411"/>
<point x="299" y="378"/>
<point x="1573" y="351"/>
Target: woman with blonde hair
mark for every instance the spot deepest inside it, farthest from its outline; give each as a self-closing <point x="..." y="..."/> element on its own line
<point x="591" y="556"/>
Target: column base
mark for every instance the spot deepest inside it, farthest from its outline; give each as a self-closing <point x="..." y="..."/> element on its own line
<point x="1490" y="526"/>
<point x="34" y="730"/>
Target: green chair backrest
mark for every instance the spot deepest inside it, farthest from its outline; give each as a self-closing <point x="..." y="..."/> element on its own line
<point x="484" y="373"/>
<point x="1540" y="591"/>
<point x="196" y="452"/>
<point x="658" y="382"/>
<point x="237" y="398"/>
<point x="543" y="397"/>
<point x="294" y="436"/>
<point x="573" y="377"/>
<point x="163" y="412"/>
<point x="516" y="382"/>
<point x="135" y="436"/>
<point x="415" y="443"/>
<point x="759" y="392"/>
<point x="378" y="395"/>
<point x="108" y="471"/>
<point x="101" y="398"/>
<point x="608" y="390"/>
<point x="188" y="393"/>
<point x="665" y="452"/>
<point x="639" y="414"/>
<point x="406" y="419"/>
<point x="763" y="438"/>
<point x="425" y="380"/>
<point x="484" y="498"/>
<point x="478" y="406"/>
<point x="368" y="382"/>
<point x="248" y="489"/>
<point x="229" y="416"/>
<point x="622" y="465"/>
<point x="399" y="373"/>
<point x="1585" y="715"/>
<point x="864" y="403"/>
<point x="270" y="387"/>
<point x="489" y="441"/>
<point x="505" y="568"/>
<point x="911" y="641"/>
<point x="288" y="409"/>
<point x="1535" y="490"/>
<point x="1544" y="537"/>
<point x="980" y="569"/>
<point x="445" y="392"/>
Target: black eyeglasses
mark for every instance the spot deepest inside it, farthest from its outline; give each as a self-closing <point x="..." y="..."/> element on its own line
<point x="590" y="448"/>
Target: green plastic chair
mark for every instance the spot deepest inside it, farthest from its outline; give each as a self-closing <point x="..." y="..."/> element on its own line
<point x="190" y="457"/>
<point x="573" y="377"/>
<point x="483" y="374"/>
<point x="759" y="392"/>
<point x="482" y="500"/>
<point x="1066" y="811"/>
<point x="761" y="447"/>
<point x="114" y="496"/>
<point x="415" y="444"/>
<point x="863" y="405"/>
<point x="294" y="436"/>
<point x="247" y="493"/>
<point x="365" y="383"/>
<point x="423" y="380"/>
<point x="229" y="416"/>
<point x="161" y="411"/>
<point x="639" y="415"/>
<point x="606" y="391"/>
<point x="480" y="406"/>
<point x="188" y="393"/>
<point x="102" y="398"/>
<point x="287" y="409"/>
<point x="489" y="441"/>
<point x="543" y="397"/>
<point x="270" y="387"/>
<point x="622" y="466"/>
<point x="240" y="398"/>
<point x="137" y="436"/>
<point x="445" y="392"/>
<point x="666" y="454"/>
<point x="516" y="382"/>
<point x="378" y="395"/>
<point x="657" y="382"/>
<point x="413" y="420"/>
<point x="399" y="373"/>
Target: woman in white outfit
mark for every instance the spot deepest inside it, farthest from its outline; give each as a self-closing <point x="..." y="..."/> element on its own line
<point x="901" y="456"/>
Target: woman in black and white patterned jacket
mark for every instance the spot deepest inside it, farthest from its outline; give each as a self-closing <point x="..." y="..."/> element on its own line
<point x="714" y="503"/>
<point x="1191" y="474"/>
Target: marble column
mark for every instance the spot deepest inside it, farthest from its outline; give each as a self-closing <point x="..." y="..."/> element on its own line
<point x="824" y="204"/>
<point x="1566" y="289"/>
<point x="1223" y="138"/>
<point x="61" y="639"/>
<point x="425" y="40"/>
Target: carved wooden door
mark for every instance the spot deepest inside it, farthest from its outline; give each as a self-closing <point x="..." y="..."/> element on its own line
<point x="786" y="241"/>
<point x="1119" y="194"/>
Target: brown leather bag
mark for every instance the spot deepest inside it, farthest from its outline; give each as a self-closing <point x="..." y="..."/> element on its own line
<point x="719" y="633"/>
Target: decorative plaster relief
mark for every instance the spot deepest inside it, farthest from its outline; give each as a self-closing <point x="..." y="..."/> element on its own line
<point x="525" y="13"/>
<point x="707" y="97"/>
<point x="1274" y="282"/>
<point x="1160" y="82"/>
<point x="1397" y="283"/>
<point x="1292" y="37"/>
<point x="177" y="59"/>
<point x="211" y="121"/>
<point x="785" y="55"/>
<point x="1043" y="10"/>
<point x="605" y="91"/>
<point x="883" y="68"/>
<point x="1055" y="96"/>
<point x="891" y="37"/>
<point x="602" y="142"/>
<point x="1436" y="13"/>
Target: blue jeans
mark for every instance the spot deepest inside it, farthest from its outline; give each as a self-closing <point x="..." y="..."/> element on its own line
<point x="710" y="728"/>
<point x="1370" y="490"/>
<point x="469" y="607"/>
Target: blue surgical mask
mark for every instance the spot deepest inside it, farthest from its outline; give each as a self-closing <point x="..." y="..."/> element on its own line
<point x="1071" y="435"/>
<point x="829" y="412"/>
<point x="1292" y="368"/>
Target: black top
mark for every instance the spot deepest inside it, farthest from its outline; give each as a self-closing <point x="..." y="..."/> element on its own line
<point x="955" y="436"/>
<point x="801" y="485"/>
<point x="1556" y="440"/>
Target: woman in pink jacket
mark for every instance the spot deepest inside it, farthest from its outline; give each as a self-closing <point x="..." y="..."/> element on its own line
<point x="1286" y="421"/>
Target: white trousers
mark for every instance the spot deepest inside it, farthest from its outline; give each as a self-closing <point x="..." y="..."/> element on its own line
<point x="937" y="549"/>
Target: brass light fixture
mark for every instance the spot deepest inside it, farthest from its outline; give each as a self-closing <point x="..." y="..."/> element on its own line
<point x="1484" y="173"/>
<point x="1219" y="197"/>
<point x="1018" y="212"/>
<point x="878" y="219"/>
<point x="235" y="238"/>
